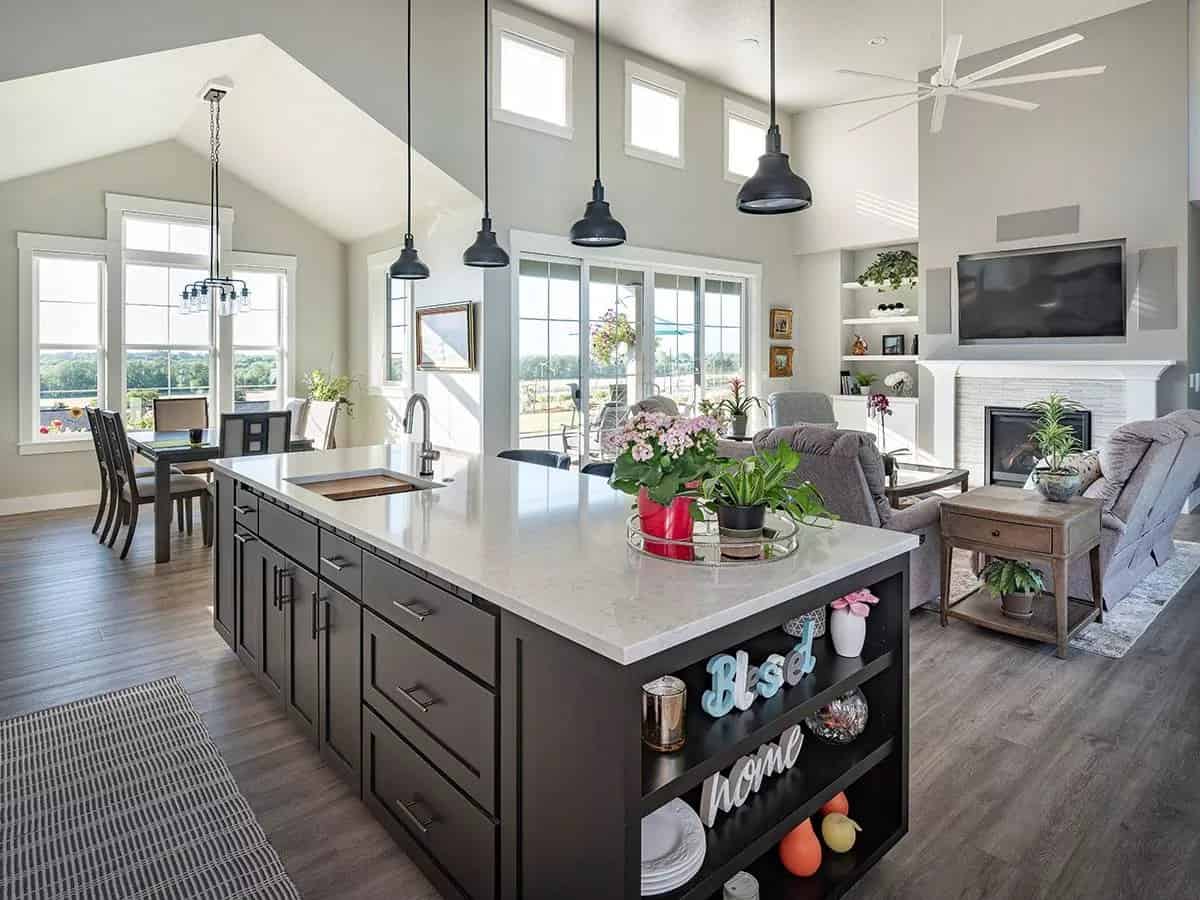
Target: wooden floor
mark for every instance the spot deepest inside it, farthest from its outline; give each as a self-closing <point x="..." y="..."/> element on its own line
<point x="1031" y="776"/>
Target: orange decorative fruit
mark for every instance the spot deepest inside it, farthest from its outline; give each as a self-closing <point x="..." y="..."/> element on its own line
<point x="837" y="804"/>
<point x="800" y="851"/>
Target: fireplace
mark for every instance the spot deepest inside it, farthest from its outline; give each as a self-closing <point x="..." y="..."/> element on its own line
<point x="1009" y="454"/>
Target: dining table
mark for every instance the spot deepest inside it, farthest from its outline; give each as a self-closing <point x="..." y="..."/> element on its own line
<point x="170" y="448"/>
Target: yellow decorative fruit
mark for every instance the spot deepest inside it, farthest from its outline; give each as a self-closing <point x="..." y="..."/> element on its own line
<point x="839" y="832"/>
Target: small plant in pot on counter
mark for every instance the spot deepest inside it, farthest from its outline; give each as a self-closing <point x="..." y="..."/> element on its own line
<point x="738" y="406"/>
<point x="1055" y="439"/>
<point x="1016" y="583"/>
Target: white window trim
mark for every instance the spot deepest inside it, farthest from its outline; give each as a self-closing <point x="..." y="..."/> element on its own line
<point x="30" y="245"/>
<point x="543" y="38"/>
<point x="662" y="82"/>
<point x="556" y="248"/>
<point x="377" y="331"/>
<point x="751" y="114"/>
<point x="269" y="262"/>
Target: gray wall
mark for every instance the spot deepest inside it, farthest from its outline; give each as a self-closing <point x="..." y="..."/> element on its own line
<point x="1116" y="145"/>
<point x="70" y="201"/>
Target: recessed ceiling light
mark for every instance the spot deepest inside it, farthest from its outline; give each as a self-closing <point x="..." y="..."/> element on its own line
<point x="878" y="41"/>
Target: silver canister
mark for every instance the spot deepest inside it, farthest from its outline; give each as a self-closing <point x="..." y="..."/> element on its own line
<point x="664" y="711"/>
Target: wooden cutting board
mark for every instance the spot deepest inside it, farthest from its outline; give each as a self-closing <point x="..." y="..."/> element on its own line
<point x="358" y="486"/>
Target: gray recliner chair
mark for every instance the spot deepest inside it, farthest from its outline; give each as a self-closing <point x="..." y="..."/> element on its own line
<point x="800" y="408"/>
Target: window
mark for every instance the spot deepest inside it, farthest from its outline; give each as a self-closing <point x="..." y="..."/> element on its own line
<point x="165" y="236"/>
<point x="745" y="140"/>
<point x="549" y="410"/>
<point x="67" y="292"/>
<point x="653" y="115"/>
<point x="676" y="369"/>
<point x="532" y="76"/>
<point x="258" y="342"/>
<point x="397" y="330"/>
<point x="723" y="354"/>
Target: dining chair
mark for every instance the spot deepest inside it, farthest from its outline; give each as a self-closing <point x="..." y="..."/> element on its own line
<point x="547" y="458"/>
<point x="131" y="492"/>
<point x="298" y="407"/>
<point x="599" y="469"/>
<point x="108" y="499"/>
<point x="256" y="433"/>
<point x="183" y="414"/>
<point x="319" y="421"/>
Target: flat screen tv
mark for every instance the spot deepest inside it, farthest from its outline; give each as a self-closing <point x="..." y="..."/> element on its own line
<point x="1051" y="293"/>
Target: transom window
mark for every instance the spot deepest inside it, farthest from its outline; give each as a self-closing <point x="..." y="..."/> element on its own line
<point x="745" y="140"/>
<point x="653" y="115"/>
<point x="532" y="77"/>
<point x="397" y="330"/>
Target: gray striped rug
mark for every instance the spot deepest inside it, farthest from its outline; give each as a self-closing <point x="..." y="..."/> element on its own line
<point x="124" y="795"/>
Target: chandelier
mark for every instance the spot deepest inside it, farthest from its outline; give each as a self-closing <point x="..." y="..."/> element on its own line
<point x="230" y="294"/>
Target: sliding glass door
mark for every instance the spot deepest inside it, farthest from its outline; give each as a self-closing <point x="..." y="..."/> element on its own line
<point x="723" y="348"/>
<point x="549" y="393"/>
<point x="614" y="314"/>
<point x="676" y="339"/>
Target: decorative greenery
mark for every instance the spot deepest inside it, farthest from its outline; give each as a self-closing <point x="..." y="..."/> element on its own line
<point x="325" y="386"/>
<point x="1011" y="576"/>
<point x="613" y="331"/>
<point x="892" y="270"/>
<point x="878" y="406"/>
<point x="715" y="410"/>
<point x="1053" y="437"/>
<point x="738" y="404"/>
<point x="865" y="379"/>
<point x="762" y="480"/>
<point x="664" y="454"/>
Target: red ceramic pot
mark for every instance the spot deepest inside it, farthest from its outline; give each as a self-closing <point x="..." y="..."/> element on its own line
<point x="673" y="522"/>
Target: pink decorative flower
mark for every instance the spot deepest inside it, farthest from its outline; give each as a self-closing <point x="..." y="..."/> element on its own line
<point x="856" y="603"/>
<point x="43" y="430"/>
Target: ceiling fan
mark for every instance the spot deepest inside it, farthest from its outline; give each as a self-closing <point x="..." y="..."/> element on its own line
<point x="946" y="82"/>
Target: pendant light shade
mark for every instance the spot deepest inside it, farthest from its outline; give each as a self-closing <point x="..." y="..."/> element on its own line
<point x="486" y="252"/>
<point x="774" y="188"/>
<point x="408" y="265"/>
<point x="597" y="228"/>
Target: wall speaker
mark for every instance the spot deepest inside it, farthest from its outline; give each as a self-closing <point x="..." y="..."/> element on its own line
<point x="1156" y="297"/>
<point x="937" y="301"/>
<point x="1038" y="223"/>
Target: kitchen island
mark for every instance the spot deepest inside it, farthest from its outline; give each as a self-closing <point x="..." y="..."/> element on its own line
<point x="469" y="653"/>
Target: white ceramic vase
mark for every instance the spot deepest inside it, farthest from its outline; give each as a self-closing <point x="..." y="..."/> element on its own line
<point x="849" y="632"/>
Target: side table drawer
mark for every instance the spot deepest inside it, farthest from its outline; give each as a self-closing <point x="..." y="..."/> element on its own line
<point x="1014" y="535"/>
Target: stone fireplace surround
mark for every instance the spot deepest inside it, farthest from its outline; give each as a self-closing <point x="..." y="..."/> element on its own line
<point x="1116" y="391"/>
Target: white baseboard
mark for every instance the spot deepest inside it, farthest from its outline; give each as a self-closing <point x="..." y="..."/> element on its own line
<point x="15" y="506"/>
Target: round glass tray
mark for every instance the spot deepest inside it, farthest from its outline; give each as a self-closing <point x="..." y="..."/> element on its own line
<point x="708" y="547"/>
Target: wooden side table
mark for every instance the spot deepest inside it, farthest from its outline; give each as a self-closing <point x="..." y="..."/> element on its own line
<point x="1019" y="524"/>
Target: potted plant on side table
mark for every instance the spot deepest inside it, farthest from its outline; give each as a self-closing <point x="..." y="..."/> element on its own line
<point x="738" y="407"/>
<point x="1055" y="439"/>
<point x="1016" y="583"/>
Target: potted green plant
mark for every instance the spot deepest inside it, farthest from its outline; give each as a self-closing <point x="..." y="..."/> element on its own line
<point x="892" y="270"/>
<point x="1016" y="583"/>
<point x="864" y="380"/>
<point x="743" y="490"/>
<point x="1054" y="439"/>
<point x="322" y="385"/>
<point x="738" y="406"/>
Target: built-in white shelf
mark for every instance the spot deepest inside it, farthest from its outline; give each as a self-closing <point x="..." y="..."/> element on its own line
<point x="875" y="286"/>
<point x="883" y="320"/>
<point x="892" y="398"/>
<point x="892" y="357"/>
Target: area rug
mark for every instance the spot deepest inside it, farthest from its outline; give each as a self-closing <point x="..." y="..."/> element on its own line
<point x="124" y="795"/>
<point x="1127" y="620"/>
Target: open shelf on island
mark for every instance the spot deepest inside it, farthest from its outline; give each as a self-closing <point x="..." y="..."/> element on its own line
<point x="714" y="744"/>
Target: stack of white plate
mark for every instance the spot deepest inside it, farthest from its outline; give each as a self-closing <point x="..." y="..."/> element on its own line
<point x="673" y="847"/>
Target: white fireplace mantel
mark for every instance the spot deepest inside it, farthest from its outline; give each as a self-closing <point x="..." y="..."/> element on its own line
<point x="1139" y="375"/>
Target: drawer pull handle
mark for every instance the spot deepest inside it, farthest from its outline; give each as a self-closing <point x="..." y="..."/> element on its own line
<point x="995" y="533"/>
<point x="284" y="598"/>
<point x="422" y="824"/>
<point x="316" y="601"/>
<point x="244" y="539"/>
<point x="414" y="609"/>
<point x="411" y="697"/>
<point x="243" y="510"/>
<point x="336" y="563"/>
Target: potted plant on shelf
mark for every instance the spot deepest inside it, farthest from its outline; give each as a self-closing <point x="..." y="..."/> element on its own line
<point x="738" y="406"/>
<point x="864" y="380"/>
<point x="891" y="271"/>
<point x="1016" y="583"/>
<point x="1054" y="439"/>
<point x="743" y="490"/>
<point x="661" y="460"/>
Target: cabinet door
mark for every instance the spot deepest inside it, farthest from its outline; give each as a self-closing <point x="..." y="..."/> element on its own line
<point x="298" y="605"/>
<point x="274" y="649"/>
<point x="251" y="579"/>
<point x="340" y="630"/>
<point x="224" y="567"/>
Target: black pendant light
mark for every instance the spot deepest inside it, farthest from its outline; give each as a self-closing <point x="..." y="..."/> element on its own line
<point x="486" y="253"/>
<point x="597" y="228"/>
<point x="774" y="188"/>
<point x="408" y="265"/>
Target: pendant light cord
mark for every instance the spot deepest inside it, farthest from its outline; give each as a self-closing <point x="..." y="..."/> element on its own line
<point x="772" y="62"/>
<point x="408" y="135"/>
<point x="487" y="71"/>
<point x="598" y="89"/>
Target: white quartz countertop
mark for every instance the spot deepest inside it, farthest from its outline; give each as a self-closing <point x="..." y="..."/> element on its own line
<point x="549" y="546"/>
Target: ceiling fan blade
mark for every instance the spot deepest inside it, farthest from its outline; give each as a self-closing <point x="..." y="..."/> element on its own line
<point x="1039" y="76"/>
<point x="997" y="100"/>
<point x="890" y="112"/>
<point x="911" y="93"/>
<point x="950" y="57"/>
<point x="883" y="77"/>
<point x="1020" y="58"/>
<point x="939" y="115"/>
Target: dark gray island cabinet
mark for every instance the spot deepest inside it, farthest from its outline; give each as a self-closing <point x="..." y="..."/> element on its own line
<point x="501" y="746"/>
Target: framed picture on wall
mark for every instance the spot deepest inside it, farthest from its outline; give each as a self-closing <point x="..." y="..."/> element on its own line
<point x="781" y="362"/>
<point x="781" y="324"/>
<point x="893" y="345"/>
<point x="446" y="338"/>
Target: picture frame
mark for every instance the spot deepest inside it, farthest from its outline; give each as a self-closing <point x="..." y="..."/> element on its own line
<point x="781" y="324"/>
<point x="780" y="362"/>
<point x="893" y="345"/>
<point x="446" y="338"/>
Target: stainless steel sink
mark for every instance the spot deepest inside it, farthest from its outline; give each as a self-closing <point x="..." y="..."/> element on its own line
<point x="364" y="483"/>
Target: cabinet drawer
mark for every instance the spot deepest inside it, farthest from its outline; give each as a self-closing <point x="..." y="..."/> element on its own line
<point x="448" y="624"/>
<point x="288" y="532"/>
<point x="1014" y="535"/>
<point x="446" y="715"/>
<point x="439" y="818"/>
<point x="341" y="563"/>
<point x="245" y="507"/>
